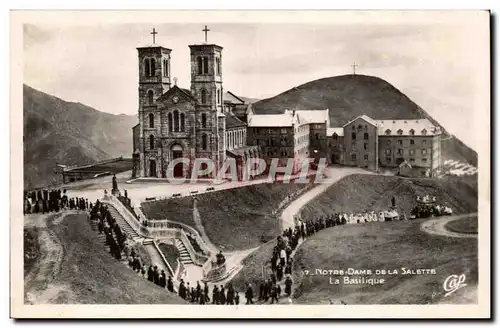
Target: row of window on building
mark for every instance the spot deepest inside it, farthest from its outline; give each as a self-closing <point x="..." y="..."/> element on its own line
<point x="235" y="139"/>
<point x="387" y="159"/>
<point x="401" y="152"/>
<point x="176" y="122"/>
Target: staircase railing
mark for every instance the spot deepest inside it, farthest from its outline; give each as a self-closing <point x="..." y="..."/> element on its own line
<point x="196" y="235"/>
<point x="155" y="232"/>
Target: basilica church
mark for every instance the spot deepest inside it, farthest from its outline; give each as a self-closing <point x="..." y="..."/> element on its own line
<point x="185" y="123"/>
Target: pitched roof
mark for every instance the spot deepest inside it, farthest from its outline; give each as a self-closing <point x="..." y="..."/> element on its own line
<point x="331" y="131"/>
<point x="188" y="92"/>
<point x="175" y="88"/>
<point x="231" y="98"/>
<point x="407" y="127"/>
<point x="363" y="117"/>
<point x="233" y="122"/>
<point x="315" y="116"/>
<point x="271" y="120"/>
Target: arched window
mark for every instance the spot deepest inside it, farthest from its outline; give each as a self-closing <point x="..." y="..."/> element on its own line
<point x="153" y="69"/>
<point x="365" y="136"/>
<point x="204" y="142"/>
<point x="412" y="132"/>
<point x="170" y="122"/>
<point x="424" y="131"/>
<point x="150" y="97"/>
<point x="183" y="123"/>
<point x="388" y="132"/>
<point x="176" y="121"/>
<point x="218" y="96"/>
<point x="335" y="136"/>
<point x="200" y="65"/>
<point x="400" y="132"/>
<point x="151" y="120"/>
<point x="147" y="67"/>
<point x="151" y="142"/>
<point x="203" y="120"/>
<point x="205" y="65"/>
<point x="203" y="96"/>
<point x="165" y="68"/>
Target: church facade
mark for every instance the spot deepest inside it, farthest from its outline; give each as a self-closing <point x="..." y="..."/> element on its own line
<point x="187" y="124"/>
<point x="205" y="122"/>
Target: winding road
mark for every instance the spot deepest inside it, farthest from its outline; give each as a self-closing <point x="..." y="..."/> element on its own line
<point x="437" y="226"/>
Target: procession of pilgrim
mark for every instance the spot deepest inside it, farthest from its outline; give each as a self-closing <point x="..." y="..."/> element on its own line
<point x="426" y="207"/>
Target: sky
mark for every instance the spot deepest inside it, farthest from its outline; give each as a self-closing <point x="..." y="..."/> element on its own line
<point x="434" y="63"/>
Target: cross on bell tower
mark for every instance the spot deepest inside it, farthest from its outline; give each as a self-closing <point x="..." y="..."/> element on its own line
<point x="206" y="30"/>
<point x="154" y="34"/>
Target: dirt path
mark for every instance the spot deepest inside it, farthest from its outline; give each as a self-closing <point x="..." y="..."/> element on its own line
<point x="40" y="285"/>
<point x="437" y="226"/>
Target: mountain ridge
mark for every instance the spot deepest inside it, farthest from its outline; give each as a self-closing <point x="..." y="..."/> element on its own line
<point x="59" y="131"/>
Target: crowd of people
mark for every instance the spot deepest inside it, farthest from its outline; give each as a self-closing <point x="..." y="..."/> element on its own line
<point x="115" y="238"/>
<point x="45" y="201"/>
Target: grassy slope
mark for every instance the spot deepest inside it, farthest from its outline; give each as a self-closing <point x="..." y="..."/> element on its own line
<point x="349" y="96"/>
<point x="382" y="245"/>
<point x="31" y="248"/>
<point x="357" y="193"/>
<point x="94" y="277"/>
<point x="466" y="225"/>
<point x="233" y="218"/>
<point x="171" y="253"/>
<point x="238" y="218"/>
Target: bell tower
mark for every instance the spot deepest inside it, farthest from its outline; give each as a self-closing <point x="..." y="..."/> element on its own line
<point x="154" y="81"/>
<point x="206" y="87"/>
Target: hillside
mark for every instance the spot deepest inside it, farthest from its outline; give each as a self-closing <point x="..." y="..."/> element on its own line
<point x="57" y="131"/>
<point x="359" y="193"/>
<point x="74" y="267"/>
<point x="349" y="96"/>
<point x="248" y="100"/>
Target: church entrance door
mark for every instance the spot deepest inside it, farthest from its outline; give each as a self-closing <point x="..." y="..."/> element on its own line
<point x="179" y="167"/>
<point x="152" y="168"/>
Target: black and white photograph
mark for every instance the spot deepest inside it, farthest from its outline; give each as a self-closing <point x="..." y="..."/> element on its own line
<point x="250" y="164"/>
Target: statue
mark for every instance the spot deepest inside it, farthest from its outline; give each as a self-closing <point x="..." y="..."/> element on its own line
<point x="393" y="201"/>
<point x="126" y="195"/>
<point x="114" y="191"/>
<point x="220" y="258"/>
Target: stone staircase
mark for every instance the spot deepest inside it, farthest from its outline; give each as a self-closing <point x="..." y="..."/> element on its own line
<point x="185" y="258"/>
<point x="126" y="228"/>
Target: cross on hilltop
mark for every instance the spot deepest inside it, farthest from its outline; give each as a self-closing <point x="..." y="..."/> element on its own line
<point x="354" y="68"/>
